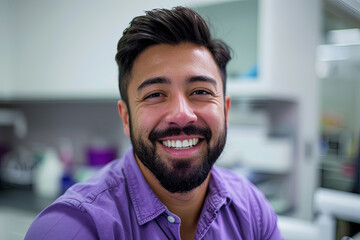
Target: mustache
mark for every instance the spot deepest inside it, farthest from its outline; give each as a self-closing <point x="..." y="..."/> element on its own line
<point x="175" y="131"/>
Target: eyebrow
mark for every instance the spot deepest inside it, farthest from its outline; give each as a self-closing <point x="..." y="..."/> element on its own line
<point x="163" y="80"/>
<point x="202" y="78"/>
<point x="150" y="81"/>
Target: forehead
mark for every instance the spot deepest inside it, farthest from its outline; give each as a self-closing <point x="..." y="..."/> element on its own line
<point x="175" y="62"/>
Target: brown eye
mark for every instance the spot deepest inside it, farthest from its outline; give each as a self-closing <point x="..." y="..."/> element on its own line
<point x="154" y="95"/>
<point x="201" y="92"/>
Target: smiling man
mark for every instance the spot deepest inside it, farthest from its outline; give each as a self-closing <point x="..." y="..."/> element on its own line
<point x="172" y="79"/>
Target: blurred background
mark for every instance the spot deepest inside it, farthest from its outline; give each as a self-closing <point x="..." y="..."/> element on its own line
<point x="294" y="124"/>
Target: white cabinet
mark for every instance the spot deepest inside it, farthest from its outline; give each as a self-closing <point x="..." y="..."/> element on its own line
<point x="63" y="49"/>
<point x="289" y="33"/>
<point x="262" y="144"/>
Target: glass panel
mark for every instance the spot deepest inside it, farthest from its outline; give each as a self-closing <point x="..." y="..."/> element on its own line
<point x="237" y="24"/>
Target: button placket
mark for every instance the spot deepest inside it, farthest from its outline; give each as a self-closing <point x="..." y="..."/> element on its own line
<point x="169" y="225"/>
<point x="170" y="219"/>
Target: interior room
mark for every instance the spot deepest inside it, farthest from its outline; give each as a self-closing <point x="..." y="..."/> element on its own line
<point x="294" y="123"/>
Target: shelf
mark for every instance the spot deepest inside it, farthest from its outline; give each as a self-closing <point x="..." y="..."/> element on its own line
<point x="256" y="89"/>
<point x="73" y="95"/>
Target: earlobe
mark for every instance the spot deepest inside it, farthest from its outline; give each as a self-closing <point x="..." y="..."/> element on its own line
<point x="124" y="114"/>
<point x="227" y="108"/>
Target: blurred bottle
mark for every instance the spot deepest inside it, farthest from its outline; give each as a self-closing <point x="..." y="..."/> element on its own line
<point x="47" y="175"/>
<point x="66" y="154"/>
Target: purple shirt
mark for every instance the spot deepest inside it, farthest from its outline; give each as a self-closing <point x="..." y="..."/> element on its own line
<point x="117" y="203"/>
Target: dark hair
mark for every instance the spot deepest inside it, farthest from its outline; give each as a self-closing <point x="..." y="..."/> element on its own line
<point x="158" y="26"/>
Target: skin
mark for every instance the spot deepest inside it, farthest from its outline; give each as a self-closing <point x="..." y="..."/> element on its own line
<point x="176" y="102"/>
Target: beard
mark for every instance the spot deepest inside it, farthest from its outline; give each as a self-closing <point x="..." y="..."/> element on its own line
<point x="181" y="176"/>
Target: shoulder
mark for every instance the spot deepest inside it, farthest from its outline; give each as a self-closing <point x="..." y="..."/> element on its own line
<point x="105" y="181"/>
<point x="61" y="221"/>
<point x="249" y="202"/>
<point x="237" y="186"/>
<point x="84" y="208"/>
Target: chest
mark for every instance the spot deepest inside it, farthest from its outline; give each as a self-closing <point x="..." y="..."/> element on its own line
<point x="167" y="226"/>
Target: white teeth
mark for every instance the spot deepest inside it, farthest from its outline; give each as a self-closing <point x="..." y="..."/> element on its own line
<point x="185" y="143"/>
<point x="178" y="144"/>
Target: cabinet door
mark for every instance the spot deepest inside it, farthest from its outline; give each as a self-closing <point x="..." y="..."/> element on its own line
<point x="65" y="49"/>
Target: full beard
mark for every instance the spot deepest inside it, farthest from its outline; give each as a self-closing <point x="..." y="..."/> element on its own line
<point x="179" y="175"/>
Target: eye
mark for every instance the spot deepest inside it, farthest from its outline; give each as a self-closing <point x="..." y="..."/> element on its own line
<point x="154" y="95"/>
<point x="201" y="92"/>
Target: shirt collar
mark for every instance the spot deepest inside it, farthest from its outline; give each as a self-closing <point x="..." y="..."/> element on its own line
<point x="146" y="204"/>
<point x="218" y="193"/>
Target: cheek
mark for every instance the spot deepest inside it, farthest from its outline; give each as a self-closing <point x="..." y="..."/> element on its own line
<point x="144" y="122"/>
<point x="214" y="117"/>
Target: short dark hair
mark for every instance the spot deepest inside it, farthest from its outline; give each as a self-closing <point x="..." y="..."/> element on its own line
<point x="164" y="26"/>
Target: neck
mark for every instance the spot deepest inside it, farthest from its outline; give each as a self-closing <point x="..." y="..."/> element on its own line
<point x="187" y="206"/>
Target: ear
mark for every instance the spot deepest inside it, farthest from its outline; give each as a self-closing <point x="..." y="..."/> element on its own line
<point x="227" y="108"/>
<point x="124" y="114"/>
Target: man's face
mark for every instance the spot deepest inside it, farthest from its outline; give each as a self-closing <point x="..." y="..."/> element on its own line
<point x="177" y="113"/>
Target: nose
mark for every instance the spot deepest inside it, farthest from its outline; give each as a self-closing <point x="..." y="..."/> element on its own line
<point x="180" y="112"/>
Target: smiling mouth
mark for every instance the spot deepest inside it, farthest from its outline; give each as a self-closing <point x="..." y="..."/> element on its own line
<point x="181" y="144"/>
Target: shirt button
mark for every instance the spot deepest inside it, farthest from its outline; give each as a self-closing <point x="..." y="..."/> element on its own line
<point x="171" y="219"/>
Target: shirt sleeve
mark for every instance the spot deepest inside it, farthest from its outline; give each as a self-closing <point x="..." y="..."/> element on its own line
<point x="62" y="221"/>
<point x="271" y="230"/>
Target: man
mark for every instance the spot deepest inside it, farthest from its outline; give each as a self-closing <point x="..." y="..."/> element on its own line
<point x="174" y="109"/>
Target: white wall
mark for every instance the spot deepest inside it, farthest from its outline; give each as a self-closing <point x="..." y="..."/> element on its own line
<point x="5" y="48"/>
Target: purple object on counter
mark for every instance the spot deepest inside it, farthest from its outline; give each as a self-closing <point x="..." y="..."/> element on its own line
<point x="99" y="156"/>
